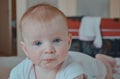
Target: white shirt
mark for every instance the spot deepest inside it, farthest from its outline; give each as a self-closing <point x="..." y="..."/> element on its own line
<point x="25" y="70"/>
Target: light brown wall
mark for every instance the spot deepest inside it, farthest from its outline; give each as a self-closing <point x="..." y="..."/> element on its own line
<point x="5" y="32"/>
<point x="114" y="8"/>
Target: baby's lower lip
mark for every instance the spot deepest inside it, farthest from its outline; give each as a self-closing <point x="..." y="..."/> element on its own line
<point x="49" y="60"/>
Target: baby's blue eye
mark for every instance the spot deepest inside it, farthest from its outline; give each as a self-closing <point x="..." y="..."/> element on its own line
<point x="57" y="40"/>
<point x="37" y="43"/>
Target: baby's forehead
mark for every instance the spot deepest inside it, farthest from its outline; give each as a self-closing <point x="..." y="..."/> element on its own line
<point x="47" y="31"/>
<point x="56" y="22"/>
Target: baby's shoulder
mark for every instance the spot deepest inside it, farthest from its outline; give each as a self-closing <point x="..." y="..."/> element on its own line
<point x="21" y="68"/>
<point x="70" y="70"/>
<point x="73" y="68"/>
<point x="23" y="64"/>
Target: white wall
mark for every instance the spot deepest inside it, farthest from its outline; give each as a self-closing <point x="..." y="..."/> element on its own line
<point x="33" y="2"/>
<point x="69" y="7"/>
<point x="94" y="8"/>
<point x="20" y="10"/>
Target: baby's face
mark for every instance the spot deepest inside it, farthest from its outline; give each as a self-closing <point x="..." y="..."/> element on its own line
<point x="46" y="44"/>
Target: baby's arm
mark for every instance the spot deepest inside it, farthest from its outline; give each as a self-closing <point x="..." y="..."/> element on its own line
<point x="109" y="62"/>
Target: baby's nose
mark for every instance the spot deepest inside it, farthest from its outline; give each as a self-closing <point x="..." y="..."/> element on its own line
<point x="49" y="49"/>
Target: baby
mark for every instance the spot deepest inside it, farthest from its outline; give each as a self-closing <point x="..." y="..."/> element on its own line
<point x="46" y="41"/>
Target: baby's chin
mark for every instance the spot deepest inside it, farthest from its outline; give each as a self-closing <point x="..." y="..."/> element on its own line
<point x="50" y="66"/>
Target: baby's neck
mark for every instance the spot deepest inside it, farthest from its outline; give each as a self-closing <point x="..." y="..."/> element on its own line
<point x="43" y="73"/>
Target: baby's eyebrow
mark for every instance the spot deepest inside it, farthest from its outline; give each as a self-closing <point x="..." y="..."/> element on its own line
<point x="57" y="37"/>
<point x="35" y="40"/>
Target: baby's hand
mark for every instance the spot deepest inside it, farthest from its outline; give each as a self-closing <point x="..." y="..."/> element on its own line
<point x="117" y="67"/>
<point x="117" y="70"/>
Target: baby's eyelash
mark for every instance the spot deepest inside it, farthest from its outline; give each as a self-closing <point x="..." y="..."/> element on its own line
<point x="57" y="40"/>
<point x="37" y="43"/>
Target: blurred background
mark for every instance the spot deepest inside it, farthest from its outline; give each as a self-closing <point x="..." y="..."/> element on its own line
<point x="12" y="10"/>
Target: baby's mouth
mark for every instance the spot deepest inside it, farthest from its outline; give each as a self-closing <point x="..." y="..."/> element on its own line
<point x="49" y="60"/>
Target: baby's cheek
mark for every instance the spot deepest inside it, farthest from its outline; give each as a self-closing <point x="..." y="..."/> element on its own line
<point x="34" y="58"/>
<point x="64" y="52"/>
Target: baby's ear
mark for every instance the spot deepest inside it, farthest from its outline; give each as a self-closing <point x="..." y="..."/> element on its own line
<point x="23" y="46"/>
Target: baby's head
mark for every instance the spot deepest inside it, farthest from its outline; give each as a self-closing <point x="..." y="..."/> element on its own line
<point x="43" y="15"/>
<point x="45" y="35"/>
